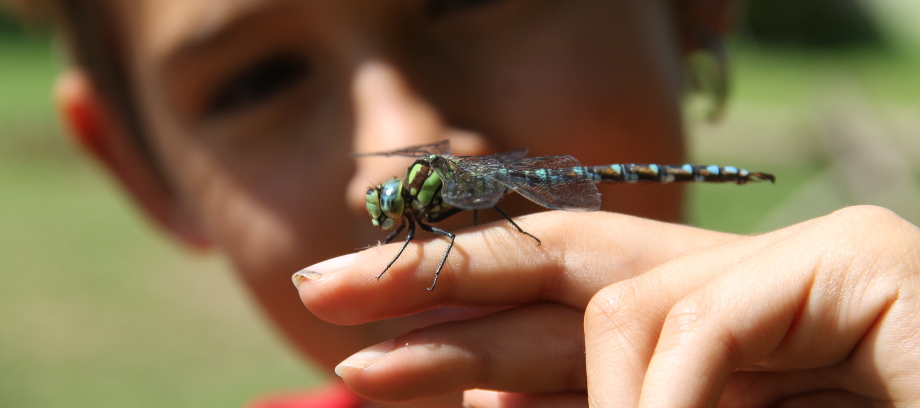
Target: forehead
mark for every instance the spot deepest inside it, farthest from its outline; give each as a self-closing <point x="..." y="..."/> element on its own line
<point x="175" y="28"/>
<point x="168" y="27"/>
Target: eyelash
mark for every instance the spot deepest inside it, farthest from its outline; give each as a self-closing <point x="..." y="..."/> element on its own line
<point x="258" y="82"/>
<point x="440" y="8"/>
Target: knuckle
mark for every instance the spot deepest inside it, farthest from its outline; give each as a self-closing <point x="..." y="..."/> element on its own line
<point x="687" y="319"/>
<point x="868" y="238"/>
<point x="697" y="319"/>
<point x="607" y="302"/>
<point x="848" y="234"/>
<point x="863" y="218"/>
<point x="613" y="308"/>
<point x="687" y="315"/>
<point x="866" y="220"/>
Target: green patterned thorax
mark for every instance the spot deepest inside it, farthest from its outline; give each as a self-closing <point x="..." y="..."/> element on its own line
<point x="424" y="192"/>
<point x="419" y="197"/>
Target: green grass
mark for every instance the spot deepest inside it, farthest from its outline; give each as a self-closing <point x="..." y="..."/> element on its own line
<point x="786" y="114"/>
<point x="741" y="209"/>
<point x="101" y="311"/>
<point x="28" y="69"/>
<point x="791" y="77"/>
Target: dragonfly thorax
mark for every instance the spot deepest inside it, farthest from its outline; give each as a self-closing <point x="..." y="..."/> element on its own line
<point x="419" y="197"/>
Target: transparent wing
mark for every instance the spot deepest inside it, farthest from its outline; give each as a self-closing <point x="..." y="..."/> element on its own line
<point x="439" y="148"/>
<point x="471" y="182"/>
<point x="475" y="182"/>
<point x="554" y="182"/>
<point x="510" y="156"/>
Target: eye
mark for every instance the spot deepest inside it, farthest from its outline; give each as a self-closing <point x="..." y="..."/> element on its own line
<point x="440" y="8"/>
<point x="258" y="82"/>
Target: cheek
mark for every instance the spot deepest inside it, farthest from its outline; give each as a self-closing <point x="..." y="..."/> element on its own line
<point x="283" y="214"/>
<point x="272" y="207"/>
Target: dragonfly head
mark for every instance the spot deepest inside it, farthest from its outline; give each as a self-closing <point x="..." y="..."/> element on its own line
<point x="385" y="203"/>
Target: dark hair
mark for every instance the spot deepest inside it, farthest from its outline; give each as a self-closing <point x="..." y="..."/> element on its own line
<point x="93" y="42"/>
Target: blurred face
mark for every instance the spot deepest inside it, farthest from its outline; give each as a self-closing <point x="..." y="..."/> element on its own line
<point x="253" y="105"/>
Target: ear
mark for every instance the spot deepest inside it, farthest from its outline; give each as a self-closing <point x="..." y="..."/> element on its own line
<point x="95" y="128"/>
<point x="703" y="23"/>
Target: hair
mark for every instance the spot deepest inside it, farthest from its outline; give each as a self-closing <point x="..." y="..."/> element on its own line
<point x="94" y="44"/>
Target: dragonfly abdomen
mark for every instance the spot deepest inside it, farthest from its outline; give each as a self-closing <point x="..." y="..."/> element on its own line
<point x="682" y="173"/>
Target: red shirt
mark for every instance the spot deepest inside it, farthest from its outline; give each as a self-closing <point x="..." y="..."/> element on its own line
<point x="336" y="395"/>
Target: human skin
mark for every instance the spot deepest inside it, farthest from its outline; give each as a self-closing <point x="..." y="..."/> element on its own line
<point x="259" y="170"/>
<point x="822" y="313"/>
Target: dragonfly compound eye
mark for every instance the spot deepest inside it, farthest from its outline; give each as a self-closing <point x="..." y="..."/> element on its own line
<point x="391" y="198"/>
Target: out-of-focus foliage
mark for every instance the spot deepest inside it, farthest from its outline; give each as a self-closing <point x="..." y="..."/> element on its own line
<point x="811" y="23"/>
<point x="9" y="25"/>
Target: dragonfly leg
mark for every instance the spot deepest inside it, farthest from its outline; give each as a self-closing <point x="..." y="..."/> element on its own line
<point x="447" y="234"/>
<point x="475" y="217"/>
<point x="409" y="235"/>
<point x="395" y="232"/>
<point x="516" y="226"/>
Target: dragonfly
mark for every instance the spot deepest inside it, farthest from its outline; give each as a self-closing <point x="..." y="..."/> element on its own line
<point x="438" y="185"/>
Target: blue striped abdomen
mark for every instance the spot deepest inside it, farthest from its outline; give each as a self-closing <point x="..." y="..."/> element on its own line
<point x="661" y="173"/>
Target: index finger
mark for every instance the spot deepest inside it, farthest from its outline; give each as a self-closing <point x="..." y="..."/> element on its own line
<point x="494" y="265"/>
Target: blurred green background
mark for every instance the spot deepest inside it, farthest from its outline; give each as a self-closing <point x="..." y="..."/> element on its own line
<point x="99" y="310"/>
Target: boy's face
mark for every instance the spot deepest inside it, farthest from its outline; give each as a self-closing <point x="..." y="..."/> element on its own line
<point x="253" y="105"/>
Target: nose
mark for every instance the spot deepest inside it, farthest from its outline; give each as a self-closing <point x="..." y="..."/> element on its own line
<point x="391" y="115"/>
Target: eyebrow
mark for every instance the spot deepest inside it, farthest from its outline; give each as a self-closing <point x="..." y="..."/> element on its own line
<point x="213" y="33"/>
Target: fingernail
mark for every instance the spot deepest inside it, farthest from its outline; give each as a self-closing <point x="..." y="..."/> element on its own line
<point x="303" y="275"/>
<point x="315" y="272"/>
<point x="365" y="358"/>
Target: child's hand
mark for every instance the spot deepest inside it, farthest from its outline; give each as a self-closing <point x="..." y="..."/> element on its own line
<point x="824" y="311"/>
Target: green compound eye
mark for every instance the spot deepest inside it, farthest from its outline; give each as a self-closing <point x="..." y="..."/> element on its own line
<point x="391" y="199"/>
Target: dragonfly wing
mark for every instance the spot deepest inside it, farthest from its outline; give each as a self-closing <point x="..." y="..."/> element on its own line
<point x="510" y="156"/>
<point x="471" y="182"/>
<point x="440" y="148"/>
<point x="554" y="182"/>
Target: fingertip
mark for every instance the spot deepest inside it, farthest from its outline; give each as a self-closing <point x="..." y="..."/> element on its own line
<point x="320" y="270"/>
<point x="498" y="399"/>
<point x="394" y="371"/>
<point x="481" y="399"/>
<point x="364" y="358"/>
<point x="304" y="275"/>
